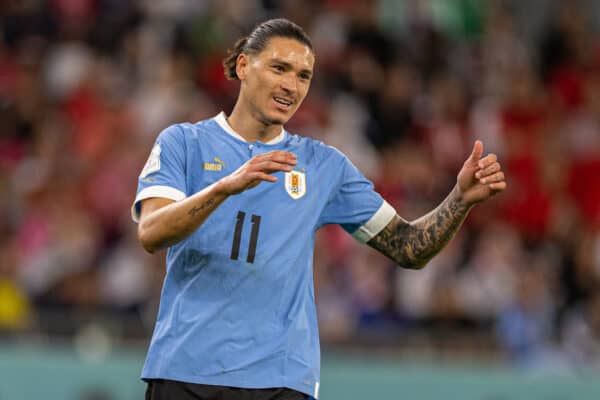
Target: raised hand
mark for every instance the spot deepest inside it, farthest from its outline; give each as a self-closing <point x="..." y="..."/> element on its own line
<point x="259" y="168"/>
<point x="480" y="178"/>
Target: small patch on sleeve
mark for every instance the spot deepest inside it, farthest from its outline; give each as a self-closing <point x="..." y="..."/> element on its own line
<point x="153" y="163"/>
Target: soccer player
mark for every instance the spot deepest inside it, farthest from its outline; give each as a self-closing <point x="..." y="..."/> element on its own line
<point x="237" y="200"/>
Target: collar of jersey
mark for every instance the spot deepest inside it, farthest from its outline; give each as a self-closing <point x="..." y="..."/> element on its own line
<point x="221" y="119"/>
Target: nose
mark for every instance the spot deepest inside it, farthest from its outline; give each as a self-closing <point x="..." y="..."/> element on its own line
<point x="289" y="83"/>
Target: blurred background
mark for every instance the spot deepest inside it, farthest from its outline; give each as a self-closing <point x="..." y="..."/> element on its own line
<point x="403" y="88"/>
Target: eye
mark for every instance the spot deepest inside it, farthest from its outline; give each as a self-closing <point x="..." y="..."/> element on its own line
<point x="278" y="68"/>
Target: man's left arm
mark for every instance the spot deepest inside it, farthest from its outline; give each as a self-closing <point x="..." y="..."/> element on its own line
<point x="413" y="244"/>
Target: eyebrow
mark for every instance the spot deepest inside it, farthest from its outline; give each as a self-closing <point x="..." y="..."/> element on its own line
<point x="290" y="66"/>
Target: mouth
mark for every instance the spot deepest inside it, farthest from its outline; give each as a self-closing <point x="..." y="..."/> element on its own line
<point x="283" y="103"/>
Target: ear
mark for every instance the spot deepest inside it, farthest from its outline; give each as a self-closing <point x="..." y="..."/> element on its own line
<point x="241" y="66"/>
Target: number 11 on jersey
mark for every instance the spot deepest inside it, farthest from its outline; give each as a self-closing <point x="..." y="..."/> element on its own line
<point x="237" y="236"/>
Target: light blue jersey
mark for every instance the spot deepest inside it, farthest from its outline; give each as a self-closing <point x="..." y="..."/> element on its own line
<point x="238" y="306"/>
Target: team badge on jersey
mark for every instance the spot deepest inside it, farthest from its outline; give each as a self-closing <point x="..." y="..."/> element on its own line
<point x="153" y="163"/>
<point x="295" y="184"/>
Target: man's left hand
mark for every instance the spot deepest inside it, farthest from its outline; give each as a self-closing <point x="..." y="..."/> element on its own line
<point x="480" y="177"/>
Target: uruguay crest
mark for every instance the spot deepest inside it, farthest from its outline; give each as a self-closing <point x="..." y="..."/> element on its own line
<point x="295" y="184"/>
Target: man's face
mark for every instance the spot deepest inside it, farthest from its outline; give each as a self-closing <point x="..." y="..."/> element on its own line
<point x="276" y="80"/>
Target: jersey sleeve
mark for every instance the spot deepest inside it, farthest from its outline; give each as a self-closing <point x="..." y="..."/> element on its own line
<point x="163" y="174"/>
<point x="355" y="204"/>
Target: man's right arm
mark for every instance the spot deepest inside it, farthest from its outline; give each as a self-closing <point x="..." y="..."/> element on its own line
<point x="164" y="222"/>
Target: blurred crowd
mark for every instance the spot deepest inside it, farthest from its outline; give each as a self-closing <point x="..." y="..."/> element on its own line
<point x="402" y="87"/>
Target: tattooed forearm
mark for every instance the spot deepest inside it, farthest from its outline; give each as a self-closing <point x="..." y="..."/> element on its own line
<point x="413" y="244"/>
<point x="195" y="210"/>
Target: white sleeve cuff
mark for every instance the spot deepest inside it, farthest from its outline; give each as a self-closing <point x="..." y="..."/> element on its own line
<point x="378" y="221"/>
<point x="166" y="192"/>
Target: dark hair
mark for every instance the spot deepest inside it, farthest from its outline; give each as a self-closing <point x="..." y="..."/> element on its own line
<point x="257" y="40"/>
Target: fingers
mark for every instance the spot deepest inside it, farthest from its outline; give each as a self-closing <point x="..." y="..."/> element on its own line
<point x="481" y="177"/>
<point x="490" y="173"/>
<point x="492" y="169"/>
<point x="498" y="186"/>
<point x="477" y="151"/>
<point x="494" y="178"/>
<point x="273" y="161"/>
<point x="487" y="161"/>
<point x="278" y="156"/>
<point x="263" y="176"/>
<point x="271" y="166"/>
<point x="260" y="167"/>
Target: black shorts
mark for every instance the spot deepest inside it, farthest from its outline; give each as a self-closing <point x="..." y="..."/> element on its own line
<point x="162" y="389"/>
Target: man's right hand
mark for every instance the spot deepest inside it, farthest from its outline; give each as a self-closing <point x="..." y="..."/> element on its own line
<point x="259" y="168"/>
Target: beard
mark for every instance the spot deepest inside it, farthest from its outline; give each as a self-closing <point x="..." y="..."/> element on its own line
<point x="269" y="120"/>
<point x="273" y="121"/>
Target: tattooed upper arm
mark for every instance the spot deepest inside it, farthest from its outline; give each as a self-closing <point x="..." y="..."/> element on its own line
<point x="413" y="244"/>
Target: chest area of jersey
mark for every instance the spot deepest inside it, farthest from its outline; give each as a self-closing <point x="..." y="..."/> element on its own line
<point x="293" y="189"/>
<point x="266" y="221"/>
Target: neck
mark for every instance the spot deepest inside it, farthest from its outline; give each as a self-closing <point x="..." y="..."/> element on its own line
<point x="250" y="126"/>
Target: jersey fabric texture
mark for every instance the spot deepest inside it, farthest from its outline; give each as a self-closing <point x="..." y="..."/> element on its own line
<point x="237" y="306"/>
